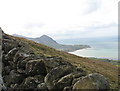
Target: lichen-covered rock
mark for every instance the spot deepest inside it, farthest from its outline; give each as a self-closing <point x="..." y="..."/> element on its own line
<point x="16" y="78"/>
<point x="20" y="57"/>
<point x="14" y="86"/>
<point x="8" y="44"/>
<point x="63" y="82"/>
<point x="21" y="64"/>
<point x="42" y="87"/>
<point x="67" y="88"/>
<point x="10" y="55"/>
<point x="92" y="81"/>
<point x="2" y="86"/>
<point x="52" y="62"/>
<point x="6" y="70"/>
<point x="54" y="75"/>
<point x="7" y="80"/>
<point x="35" y="67"/>
<point x="39" y="79"/>
<point x="66" y="81"/>
<point x="29" y="83"/>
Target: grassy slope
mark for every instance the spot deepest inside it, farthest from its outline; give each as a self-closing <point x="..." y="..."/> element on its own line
<point x="91" y="66"/>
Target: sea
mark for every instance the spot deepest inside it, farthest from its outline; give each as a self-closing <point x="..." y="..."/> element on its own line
<point x="106" y="47"/>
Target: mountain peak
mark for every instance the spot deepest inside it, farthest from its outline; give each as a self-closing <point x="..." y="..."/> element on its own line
<point x="46" y="40"/>
<point x="45" y="36"/>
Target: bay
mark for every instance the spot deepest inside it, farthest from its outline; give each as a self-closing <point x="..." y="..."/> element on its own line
<point x="106" y="47"/>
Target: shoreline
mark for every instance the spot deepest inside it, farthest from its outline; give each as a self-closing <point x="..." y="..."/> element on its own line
<point x="86" y="53"/>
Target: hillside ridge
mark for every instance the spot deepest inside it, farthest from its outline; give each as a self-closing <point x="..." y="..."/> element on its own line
<point x="46" y="40"/>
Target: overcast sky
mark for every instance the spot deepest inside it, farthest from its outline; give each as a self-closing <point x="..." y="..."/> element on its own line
<point x="60" y="19"/>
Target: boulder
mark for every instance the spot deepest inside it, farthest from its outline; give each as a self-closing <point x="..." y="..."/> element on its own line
<point x="10" y="55"/>
<point x="2" y="86"/>
<point x="63" y="82"/>
<point x="54" y="75"/>
<point x="14" y="86"/>
<point x="42" y="87"/>
<point x="7" y="80"/>
<point x="29" y="83"/>
<point x="66" y="81"/>
<point x="16" y="78"/>
<point x="92" y="81"/>
<point x="5" y="62"/>
<point x="52" y="62"/>
<point x="6" y="70"/>
<point x="67" y="88"/>
<point x="7" y="45"/>
<point x="20" y="56"/>
<point x="39" y="79"/>
<point x="35" y="67"/>
<point x="21" y="65"/>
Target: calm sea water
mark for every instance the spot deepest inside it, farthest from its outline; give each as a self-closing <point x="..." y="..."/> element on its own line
<point x="98" y="53"/>
<point x="100" y="47"/>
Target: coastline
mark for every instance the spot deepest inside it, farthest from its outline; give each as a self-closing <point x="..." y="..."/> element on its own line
<point x="96" y="53"/>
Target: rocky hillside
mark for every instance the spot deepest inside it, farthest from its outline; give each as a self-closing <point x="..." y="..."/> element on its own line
<point x="46" y="40"/>
<point x="31" y="66"/>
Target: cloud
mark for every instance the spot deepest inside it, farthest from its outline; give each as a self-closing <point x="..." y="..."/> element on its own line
<point x="59" y="18"/>
<point x="98" y="31"/>
<point x="34" y="25"/>
<point x="92" y="6"/>
<point x="103" y="26"/>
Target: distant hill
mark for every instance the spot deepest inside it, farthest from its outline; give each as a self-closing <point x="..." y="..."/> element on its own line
<point x="46" y="40"/>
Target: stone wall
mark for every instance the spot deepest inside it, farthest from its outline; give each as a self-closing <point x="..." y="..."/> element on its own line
<point x="24" y="70"/>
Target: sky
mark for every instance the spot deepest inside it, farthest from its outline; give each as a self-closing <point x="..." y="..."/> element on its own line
<point x="60" y="19"/>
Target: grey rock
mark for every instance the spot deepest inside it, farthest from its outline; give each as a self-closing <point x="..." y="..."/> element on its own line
<point x="20" y="56"/>
<point x="92" y="81"/>
<point x="10" y="55"/>
<point x="54" y="75"/>
<point x="29" y="83"/>
<point x="39" y="79"/>
<point x="14" y="86"/>
<point x="100" y="81"/>
<point x="21" y="64"/>
<point x="16" y="78"/>
<point x="42" y="87"/>
<point x="54" y="61"/>
<point x="66" y="81"/>
<point x="67" y="88"/>
<point x="2" y="86"/>
<point x="63" y="82"/>
<point x="7" y="80"/>
<point x="6" y="70"/>
<point x="35" y="67"/>
<point x="8" y="44"/>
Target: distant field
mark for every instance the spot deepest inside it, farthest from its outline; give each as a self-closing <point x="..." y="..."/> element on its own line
<point x="114" y="62"/>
